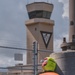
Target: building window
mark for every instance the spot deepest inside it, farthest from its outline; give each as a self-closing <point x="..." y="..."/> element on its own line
<point x="39" y="14"/>
<point x="48" y="15"/>
<point x="32" y="15"/>
<point x="44" y="14"/>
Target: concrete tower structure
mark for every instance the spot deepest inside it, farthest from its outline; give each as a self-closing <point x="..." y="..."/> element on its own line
<point x="71" y="43"/>
<point x="72" y="21"/>
<point x="66" y="59"/>
<point x="39" y="28"/>
<point x="72" y="24"/>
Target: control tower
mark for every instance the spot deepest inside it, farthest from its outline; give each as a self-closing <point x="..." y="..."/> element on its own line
<point x="39" y="28"/>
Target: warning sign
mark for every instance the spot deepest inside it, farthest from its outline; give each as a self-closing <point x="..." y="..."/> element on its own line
<point x="46" y="37"/>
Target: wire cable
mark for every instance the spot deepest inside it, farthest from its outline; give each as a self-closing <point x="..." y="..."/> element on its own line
<point x="24" y="49"/>
<point x="14" y="48"/>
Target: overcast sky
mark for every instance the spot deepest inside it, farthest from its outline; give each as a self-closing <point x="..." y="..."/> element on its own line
<point x="13" y="15"/>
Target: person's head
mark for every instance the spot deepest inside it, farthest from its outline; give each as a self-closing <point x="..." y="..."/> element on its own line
<point x="48" y="64"/>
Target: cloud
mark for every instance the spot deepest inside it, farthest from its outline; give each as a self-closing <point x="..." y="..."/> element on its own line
<point x="57" y="43"/>
<point x="12" y="29"/>
<point x="7" y="55"/>
<point x="61" y="26"/>
<point x="65" y="8"/>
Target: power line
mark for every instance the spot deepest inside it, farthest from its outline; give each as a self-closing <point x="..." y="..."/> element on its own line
<point x="18" y="68"/>
<point x="3" y="68"/>
<point x="24" y="49"/>
<point x="14" y="48"/>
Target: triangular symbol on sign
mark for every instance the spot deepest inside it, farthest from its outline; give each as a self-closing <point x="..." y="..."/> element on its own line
<point x="46" y="37"/>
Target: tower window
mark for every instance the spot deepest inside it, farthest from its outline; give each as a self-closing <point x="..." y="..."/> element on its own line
<point x="39" y="14"/>
<point x="44" y="14"/>
<point x="48" y="15"/>
<point x="32" y="14"/>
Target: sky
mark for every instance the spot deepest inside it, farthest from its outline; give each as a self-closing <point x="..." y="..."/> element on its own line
<point x="13" y="15"/>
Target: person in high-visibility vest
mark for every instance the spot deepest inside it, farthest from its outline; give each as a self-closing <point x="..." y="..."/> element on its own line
<point x="49" y="64"/>
<point x="48" y="73"/>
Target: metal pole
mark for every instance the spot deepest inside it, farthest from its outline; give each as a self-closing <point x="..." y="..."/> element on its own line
<point x="21" y="71"/>
<point x="35" y="59"/>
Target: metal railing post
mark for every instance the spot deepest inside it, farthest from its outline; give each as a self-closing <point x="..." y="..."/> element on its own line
<point x="35" y="57"/>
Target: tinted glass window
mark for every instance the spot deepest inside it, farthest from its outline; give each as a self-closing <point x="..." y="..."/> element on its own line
<point x="44" y="14"/>
<point x="48" y="15"/>
<point x="32" y="14"/>
<point x="39" y="14"/>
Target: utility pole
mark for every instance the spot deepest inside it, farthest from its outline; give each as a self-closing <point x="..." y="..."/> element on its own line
<point x="35" y="57"/>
